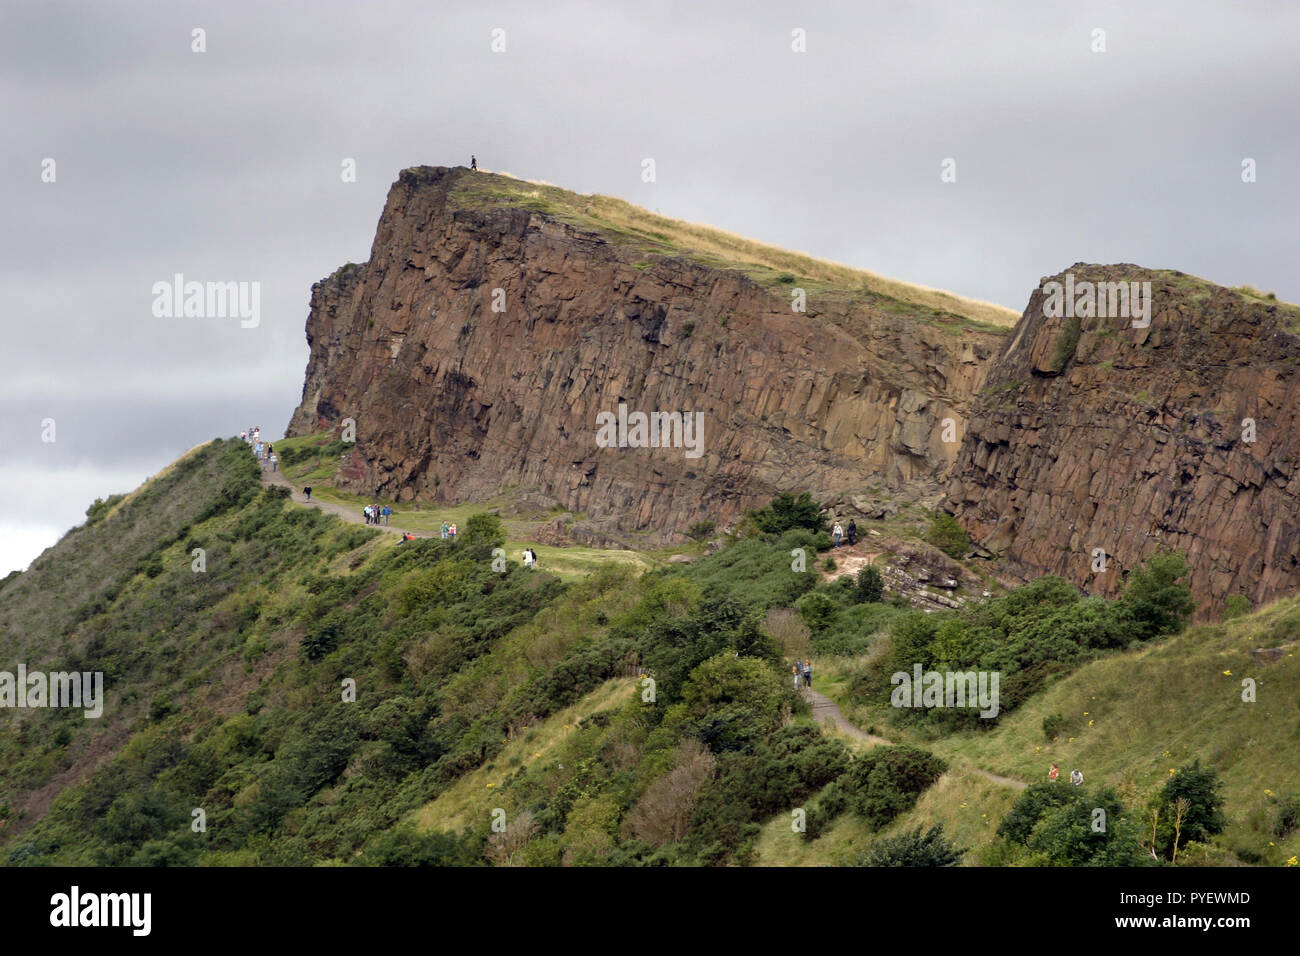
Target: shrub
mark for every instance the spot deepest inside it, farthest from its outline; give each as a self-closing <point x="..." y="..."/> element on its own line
<point x="1087" y="829"/>
<point x="663" y="814"/>
<point x="1055" y="725"/>
<point x="1066" y="344"/>
<point x="701" y="529"/>
<point x="870" y="586"/>
<point x="829" y="564"/>
<point x="734" y="701"/>
<point x="1189" y="807"/>
<point x="1236" y="605"/>
<point x="1286" y="817"/>
<point x="887" y="781"/>
<point x="1154" y="602"/>
<point x="912" y="848"/>
<point x="786" y="512"/>
<point x="817" y="610"/>
<point x="948" y="536"/>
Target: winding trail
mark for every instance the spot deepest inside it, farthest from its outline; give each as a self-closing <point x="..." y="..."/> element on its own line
<point x="825" y="709"/>
<point x="351" y="515"/>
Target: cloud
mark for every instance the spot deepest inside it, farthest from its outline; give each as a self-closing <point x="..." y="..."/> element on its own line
<point x="225" y="165"/>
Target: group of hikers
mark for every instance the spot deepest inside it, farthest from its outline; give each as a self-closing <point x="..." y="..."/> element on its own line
<point x="1076" y="776"/>
<point x="837" y="533"/>
<point x="802" y="670"/>
<point x="265" y="452"/>
<point x="377" y="515"/>
<point x="449" y="531"/>
<point x="530" y="558"/>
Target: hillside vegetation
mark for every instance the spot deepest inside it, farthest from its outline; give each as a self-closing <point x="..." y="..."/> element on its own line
<point x="322" y="693"/>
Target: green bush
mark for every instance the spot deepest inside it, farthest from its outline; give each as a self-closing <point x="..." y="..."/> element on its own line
<point x="1195" y="794"/>
<point x="912" y="848"/>
<point x="1066" y="344"/>
<point x="1054" y="726"/>
<point x="888" y="780"/>
<point x="1154" y="601"/>
<point x="786" y="512"/>
<point x="817" y="610"/>
<point x="1064" y="825"/>
<point x="948" y="536"/>
<point x="870" y="585"/>
<point x="1286" y="817"/>
<point x="1235" y="605"/>
<point x="701" y="529"/>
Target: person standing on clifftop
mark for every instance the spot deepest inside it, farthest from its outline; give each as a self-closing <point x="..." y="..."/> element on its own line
<point x="473" y="162"/>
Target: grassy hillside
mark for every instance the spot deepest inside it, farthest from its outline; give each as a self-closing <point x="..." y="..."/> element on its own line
<point x="657" y="235"/>
<point x="322" y="693"/>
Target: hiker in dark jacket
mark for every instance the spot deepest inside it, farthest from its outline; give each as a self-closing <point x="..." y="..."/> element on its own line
<point x="853" y="532"/>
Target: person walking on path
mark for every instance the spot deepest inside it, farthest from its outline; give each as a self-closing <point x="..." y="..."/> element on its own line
<point x="307" y="491"/>
<point x="388" y="513"/>
<point x="444" y="531"/>
<point x="853" y="532"/>
<point x="275" y="462"/>
<point x="838" y="533"/>
<point x="1076" y="777"/>
<point x="366" y="513"/>
<point x="794" y="670"/>
<point x="528" y="558"/>
<point x="807" y="673"/>
<point x="473" y="161"/>
<point x="451" y="532"/>
<point x="1054" y="773"/>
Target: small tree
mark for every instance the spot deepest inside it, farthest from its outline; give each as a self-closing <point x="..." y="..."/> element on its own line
<point x="1190" y="807"/>
<point x="871" y="586"/>
<point x="817" y="610"/>
<point x="1154" y="601"/>
<point x="948" y="536"/>
<point x="786" y="512"/>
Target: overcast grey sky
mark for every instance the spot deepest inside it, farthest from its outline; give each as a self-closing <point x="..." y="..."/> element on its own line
<point x="225" y="165"/>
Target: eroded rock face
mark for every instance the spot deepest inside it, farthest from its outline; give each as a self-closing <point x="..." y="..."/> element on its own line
<point x="455" y="401"/>
<point x="1126" y="439"/>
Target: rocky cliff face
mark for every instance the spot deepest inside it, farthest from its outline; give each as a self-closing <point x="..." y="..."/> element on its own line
<point x="1093" y="434"/>
<point x="478" y="345"/>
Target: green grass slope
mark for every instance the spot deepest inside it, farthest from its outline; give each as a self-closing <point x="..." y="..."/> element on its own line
<point x="660" y="236"/>
<point x="318" y="693"/>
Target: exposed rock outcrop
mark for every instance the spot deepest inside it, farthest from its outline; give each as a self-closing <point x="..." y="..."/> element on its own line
<point x="1093" y="434"/>
<point x="455" y="401"/>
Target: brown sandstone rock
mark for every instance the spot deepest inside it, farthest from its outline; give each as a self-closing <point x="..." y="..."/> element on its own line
<point x="453" y="401"/>
<point x="1136" y="442"/>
